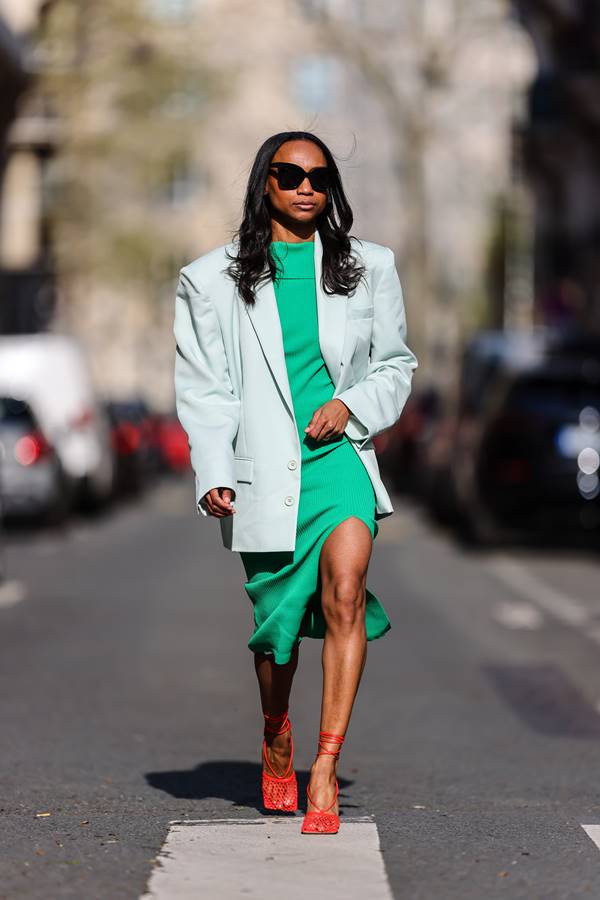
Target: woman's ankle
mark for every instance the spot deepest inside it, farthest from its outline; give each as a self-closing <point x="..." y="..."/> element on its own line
<point x="323" y="767"/>
<point x="280" y="742"/>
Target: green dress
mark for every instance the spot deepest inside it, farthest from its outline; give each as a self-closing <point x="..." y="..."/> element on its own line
<point x="284" y="586"/>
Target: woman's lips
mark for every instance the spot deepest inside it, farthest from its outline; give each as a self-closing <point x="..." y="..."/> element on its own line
<point x="306" y="205"/>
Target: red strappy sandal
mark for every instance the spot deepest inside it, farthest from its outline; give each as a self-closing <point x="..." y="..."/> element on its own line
<point x="322" y="821"/>
<point x="279" y="791"/>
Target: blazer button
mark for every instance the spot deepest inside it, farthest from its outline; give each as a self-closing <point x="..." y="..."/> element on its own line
<point x="292" y="464"/>
<point x="288" y="501"/>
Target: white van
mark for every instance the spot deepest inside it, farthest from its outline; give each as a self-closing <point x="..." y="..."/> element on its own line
<point x="51" y="372"/>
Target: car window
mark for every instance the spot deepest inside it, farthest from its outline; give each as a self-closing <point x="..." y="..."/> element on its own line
<point x="15" y="412"/>
<point x="551" y="397"/>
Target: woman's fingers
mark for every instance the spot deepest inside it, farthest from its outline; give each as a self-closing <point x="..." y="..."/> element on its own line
<point x="318" y="425"/>
<point x="326" y="431"/>
<point x="218" y="501"/>
<point x="311" y="425"/>
<point x="326" y="423"/>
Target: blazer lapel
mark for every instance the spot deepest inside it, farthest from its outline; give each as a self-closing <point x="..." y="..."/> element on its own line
<point x="264" y="316"/>
<point x="331" y="311"/>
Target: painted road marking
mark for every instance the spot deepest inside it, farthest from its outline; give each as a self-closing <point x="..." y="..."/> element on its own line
<point x="518" y="615"/>
<point x="593" y="832"/>
<point x="11" y="593"/>
<point x="223" y="859"/>
<point x="527" y="585"/>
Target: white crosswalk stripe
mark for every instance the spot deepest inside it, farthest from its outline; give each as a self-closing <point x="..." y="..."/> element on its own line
<point x="222" y="859"/>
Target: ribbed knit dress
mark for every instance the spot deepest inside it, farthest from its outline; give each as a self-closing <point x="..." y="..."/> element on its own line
<point x="284" y="586"/>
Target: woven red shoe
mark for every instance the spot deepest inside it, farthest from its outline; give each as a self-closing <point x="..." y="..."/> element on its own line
<point x="279" y="791"/>
<point x="322" y="821"/>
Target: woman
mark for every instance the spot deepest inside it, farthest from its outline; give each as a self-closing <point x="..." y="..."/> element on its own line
<point x="290" y="359"/>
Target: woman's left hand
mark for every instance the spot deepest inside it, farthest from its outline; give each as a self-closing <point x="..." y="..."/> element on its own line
<point x="329" y="420"/>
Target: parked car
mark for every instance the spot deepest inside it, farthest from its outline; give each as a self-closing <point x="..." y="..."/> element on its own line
<point x="524" y="449"/>
<point x="154" y="427"/>
<point x="400" y="448"/>
<point x="33" y="483"/>
<point x="173" y="443"/>
<point x="433" y="472"/>
<point x="50" y="372"/>
<point x="134" y="443"/>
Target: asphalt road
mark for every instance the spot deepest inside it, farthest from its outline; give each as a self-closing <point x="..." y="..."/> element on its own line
<point x="129" y="702"/>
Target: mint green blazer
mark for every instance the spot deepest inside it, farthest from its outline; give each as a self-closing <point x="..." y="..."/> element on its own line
<point x="233" y="396"/>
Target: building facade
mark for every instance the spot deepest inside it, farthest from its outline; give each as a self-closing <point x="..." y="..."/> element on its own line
<point x="561" y="148"/>
<point x="416" y="102"/>
<point x="27" y="277"/>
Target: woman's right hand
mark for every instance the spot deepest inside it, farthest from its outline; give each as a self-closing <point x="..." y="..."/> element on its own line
<point x="218" y="502"/>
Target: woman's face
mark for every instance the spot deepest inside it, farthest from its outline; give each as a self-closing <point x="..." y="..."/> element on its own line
<point x="302" y="204"/>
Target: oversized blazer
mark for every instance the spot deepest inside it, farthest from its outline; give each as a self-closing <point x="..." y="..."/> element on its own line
<point x="233" y="396"/>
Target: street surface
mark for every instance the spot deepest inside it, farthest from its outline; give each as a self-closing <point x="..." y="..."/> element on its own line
<point x="130" y="725"/>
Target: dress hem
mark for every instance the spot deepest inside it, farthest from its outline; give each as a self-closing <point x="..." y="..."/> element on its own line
<point x="281" y="659"/>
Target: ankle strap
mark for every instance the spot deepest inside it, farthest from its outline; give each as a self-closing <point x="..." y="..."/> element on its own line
<point x="325" y="737"/>
<point x="277" y="724"/>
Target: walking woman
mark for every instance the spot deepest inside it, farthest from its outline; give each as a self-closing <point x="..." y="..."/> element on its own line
<point x="290" y="358"/>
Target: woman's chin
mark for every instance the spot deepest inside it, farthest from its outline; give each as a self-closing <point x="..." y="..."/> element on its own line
<point x="303" y="216"/>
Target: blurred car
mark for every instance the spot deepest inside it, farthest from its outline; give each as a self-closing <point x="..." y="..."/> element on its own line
<point x="32" y="480"/>
<point x="525" y="439"/>
<point x="135" y="444"/>
<point x="399" y="449"/>
<point x="173" y="443"/>
<point x="51" y="372"/>
<point x="433" y="474"/>
<point x="154" y="425"/>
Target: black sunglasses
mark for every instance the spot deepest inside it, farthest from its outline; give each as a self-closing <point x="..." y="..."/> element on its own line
<point x="290" y="176"/>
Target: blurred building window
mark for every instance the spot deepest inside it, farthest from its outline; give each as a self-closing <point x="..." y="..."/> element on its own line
<point x="315" y="81"/>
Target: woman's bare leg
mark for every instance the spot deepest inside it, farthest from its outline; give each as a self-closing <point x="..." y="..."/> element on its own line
<point x="275" y="683"/>
<point x="343" y="566"/>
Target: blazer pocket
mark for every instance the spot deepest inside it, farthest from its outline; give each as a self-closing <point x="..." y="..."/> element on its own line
<point x="360" y="312"/>
<point x="244" y="468"/>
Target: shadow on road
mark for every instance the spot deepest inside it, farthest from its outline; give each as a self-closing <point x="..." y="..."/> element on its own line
<point x="545" y="699"/>
<point x="233" y="780"/>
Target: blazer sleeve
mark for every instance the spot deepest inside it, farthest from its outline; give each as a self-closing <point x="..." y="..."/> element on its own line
<point x="206" y="405"/>
<point x="376" y="402"/>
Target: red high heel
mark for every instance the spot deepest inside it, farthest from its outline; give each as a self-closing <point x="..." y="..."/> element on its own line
<point x="279" y="791"/>
<point x="322" y="821"/>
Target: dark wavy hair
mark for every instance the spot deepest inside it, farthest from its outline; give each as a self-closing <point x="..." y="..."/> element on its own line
<point x="341" y="272"/>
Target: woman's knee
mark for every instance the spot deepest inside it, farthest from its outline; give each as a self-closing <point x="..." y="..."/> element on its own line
<point x="343" y="601"/>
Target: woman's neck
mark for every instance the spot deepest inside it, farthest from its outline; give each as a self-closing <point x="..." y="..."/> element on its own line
<point x="296" y="233"/>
